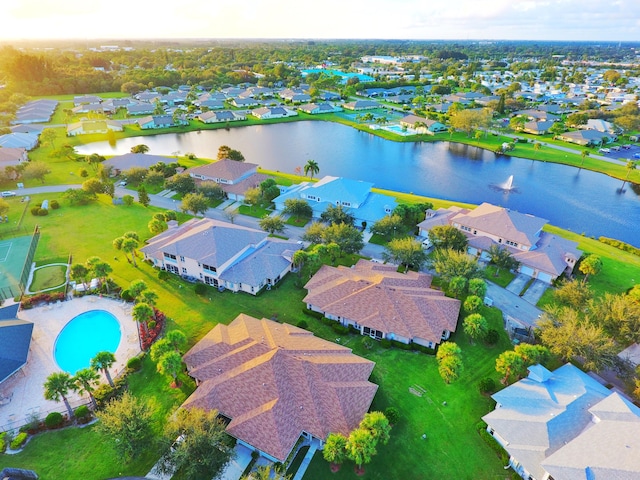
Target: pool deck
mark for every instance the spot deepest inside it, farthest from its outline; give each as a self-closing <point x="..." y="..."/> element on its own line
<point x="25" y="388"/>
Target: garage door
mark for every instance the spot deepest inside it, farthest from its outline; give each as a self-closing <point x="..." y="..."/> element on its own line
<point x="526" y="270"/>
<point x="545" y="277"/>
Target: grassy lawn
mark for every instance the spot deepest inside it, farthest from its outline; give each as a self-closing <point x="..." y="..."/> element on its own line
<point x="253" y="211"/>
<point x="297" y="222"/>
<point x="503" y="279"/>
<point x="48" y="277"/>
<point x="453" y="449"/>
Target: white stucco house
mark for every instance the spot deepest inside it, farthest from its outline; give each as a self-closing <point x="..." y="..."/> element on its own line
<point x="221" y="254"/>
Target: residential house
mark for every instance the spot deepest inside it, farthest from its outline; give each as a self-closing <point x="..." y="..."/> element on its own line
<point x="93" y="126"/>
<point x="93" y="108"/>
<point x="141" y="108"/>
<point x="295" y="95"/>
<point x="601" y="126"/>
<point x="221" y="254"/>
<point x="361" y="105"/>
<point x="537" y="115"/>
<point x="537" y="128"/>
<point x="315" y="109"/>
<point x="277" y="383"/>
<point x="221" y="116"/>
<point x="10" y="157"/>
<point x="148" y="97"/>
<point x="542" y="255"/>
<point x="265" y="113"/>
<point x="234" y="177"/>
<point x="564" y="425"/>
<point x="160" y="121"/>
<point x="244" y="102"/>
<point x="212" y="104"/>
<point x="382" y="303"/>
<point x="422" y="125"/>
<point x="353" y="195"/>
<point x="587" y="138"/>
<point x="86" y="99"/>
<point x="122" y="163"/>
<point x="15" y="340"/>
<point x="36" y="111"/>
<point x="27" y="141"/>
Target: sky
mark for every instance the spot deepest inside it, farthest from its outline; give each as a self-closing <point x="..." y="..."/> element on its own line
<point x="574" y="20"/>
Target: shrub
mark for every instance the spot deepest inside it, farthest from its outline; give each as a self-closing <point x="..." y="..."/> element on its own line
<point x="134" y="363"/>
<point x="54" y="420"/>
<point x="492" y="336"/>
<point x="3" y="442"/>
<point x="340" y="329"/>
<point x="487" y="385"/>
<point x="327" y="321"/>
<point x="17" y="442"/>
<point x="385" y="343"/>
<point x="152" y="324"/>
<point x="400" y="345"/>
<point x="35" y="211"/>
<point x="43" y="212"/>
<point x="163" y="275"/>
<point x="392" y="414"/>
<point x="367" y="342"/>
<point x="82" y="412"/>
<point x="200" y="289"/>
<point x="312" y="313"/>
<point x="55" y="204"/>
<point x="423" y="349"/>
<point x="303" y="324"/>
<point x="126" y="295"/>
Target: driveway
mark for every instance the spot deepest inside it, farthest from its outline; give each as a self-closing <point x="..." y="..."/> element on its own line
<point x="518" y="283"/>
<point x="235" y="468"/>
<point x="512" y="305"/>
<point x="535" y="291"/>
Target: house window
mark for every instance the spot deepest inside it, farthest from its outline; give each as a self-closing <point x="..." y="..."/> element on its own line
<point x="499" y="240"/>
<point x="346" y="204"/>
<point x="209" y="268"/>
<point x="184" y="270"/>
<point x="475" y="232"/>
<point x="181" y="258"/>
<point x="466" y="229"/>
<point x="509" y="242"/>
<point x="168" y="256"/>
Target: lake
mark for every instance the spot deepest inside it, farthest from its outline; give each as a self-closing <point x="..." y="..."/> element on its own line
<point x="578" y="200"/>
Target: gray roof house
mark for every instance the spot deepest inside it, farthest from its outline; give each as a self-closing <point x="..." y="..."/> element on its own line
<point x="264" y="113"/>
<point x="15" y="340"/>
<point x="541" y="255"/>
<point x="314" y="109"/>
<point x="354" y="196"/>
<point x="221" y="116"/>
<point x="121" y="163"/>
<point x="566" y="426"/>
<point x="27" y="141"/>
<point x="12" y="156"/>
<point x="587" y="137"/>
<point x="422" y="125"/>
<point x="160" y="121"/>
<point x="221" y="254"/>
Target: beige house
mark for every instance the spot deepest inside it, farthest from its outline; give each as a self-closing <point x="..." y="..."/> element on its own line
<point x="93" y="126"/>
<point x="382" y="303"/>
<point x="277" y="383"/>
<point x="234" y="177"/>
<point x="541" y="255"/>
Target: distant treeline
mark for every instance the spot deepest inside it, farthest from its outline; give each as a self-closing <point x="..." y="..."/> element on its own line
<point x="620" y="245"/>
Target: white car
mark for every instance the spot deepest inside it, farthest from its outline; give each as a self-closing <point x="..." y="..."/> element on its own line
<point x="8" y="194"/>
<point x="604" y="150"/>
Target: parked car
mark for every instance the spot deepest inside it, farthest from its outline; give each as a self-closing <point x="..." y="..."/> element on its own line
<point x="636" y="155"/>
<point x="604" y="150"/>
<point x="8" y="194"/>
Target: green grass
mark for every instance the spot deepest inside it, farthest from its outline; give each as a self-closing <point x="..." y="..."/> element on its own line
<point x="377" y="239"/>
<point x="297" y="222"/>
<point x="503" y="279"/>
<point x="253" y="211"/>
<point x="453" y="449"/>
<point x="48" y="277"/>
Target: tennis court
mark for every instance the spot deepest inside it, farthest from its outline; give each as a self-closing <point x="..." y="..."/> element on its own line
<point x="16" y="255"/>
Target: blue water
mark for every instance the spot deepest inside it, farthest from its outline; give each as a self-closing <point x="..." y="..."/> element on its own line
<point x="84" y="336"/>
<point x="578" y="200"/>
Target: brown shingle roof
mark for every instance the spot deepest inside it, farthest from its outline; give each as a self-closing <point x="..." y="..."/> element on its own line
<point x="377" y="296"/>
<point x="275" y="381"/>
<point x="226" y="169"/>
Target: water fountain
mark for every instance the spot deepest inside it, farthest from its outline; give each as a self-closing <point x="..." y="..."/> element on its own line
<point x="508" y="185"/>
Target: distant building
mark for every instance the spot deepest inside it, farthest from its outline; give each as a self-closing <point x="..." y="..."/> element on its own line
<point x="15" y="340"/>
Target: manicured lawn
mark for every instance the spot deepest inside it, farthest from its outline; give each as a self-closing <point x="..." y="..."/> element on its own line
<point x="297" y="221"/>
<point x="253" y="211"/>
<point x="452" y="449"/>
<point x="503" y="279"/>
<point x="48" y="277"/>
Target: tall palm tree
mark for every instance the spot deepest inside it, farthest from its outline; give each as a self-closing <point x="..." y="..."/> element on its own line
<point x="631" y="165"/>
<point x="103" y="362"/>
<point x="129" y="245"/>
<point x="86" y="380"/>
<point x="142" y="312"/>
<point x="311" y="167"/>
<point x="57" y="387"/>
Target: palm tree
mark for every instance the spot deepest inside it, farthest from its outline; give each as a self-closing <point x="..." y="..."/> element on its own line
<point x="631" y="165"/>
<point x="142" y="312"/>
<point x="57" y="387"/>
<point x="170" y="364"/>
<point x="86" y="380"/>
<point x="584" y="154"/>
<point x="103" y="362"/>
<point x="129" y="245"/>
<point x="142" y="148"/>
<point x="311" y="167"/>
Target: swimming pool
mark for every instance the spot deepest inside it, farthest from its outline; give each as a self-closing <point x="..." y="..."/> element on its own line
<point x="84" y="336"/>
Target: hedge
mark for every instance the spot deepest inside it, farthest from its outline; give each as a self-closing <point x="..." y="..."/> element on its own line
<point x="3" y="442"/>
<point x="17" y="442"/>
<point x="54" y="420"/>
<point x="312" y="313"/>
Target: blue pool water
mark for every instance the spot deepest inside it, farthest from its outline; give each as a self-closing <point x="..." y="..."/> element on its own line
<point x="84" y="336"/>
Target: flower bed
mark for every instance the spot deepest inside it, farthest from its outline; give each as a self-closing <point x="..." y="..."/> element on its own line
<point x="34" y="300"/>
<point x="149" y="335"/>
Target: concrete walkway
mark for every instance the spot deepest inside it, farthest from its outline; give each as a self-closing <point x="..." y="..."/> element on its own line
<point x="306" y="461"/>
